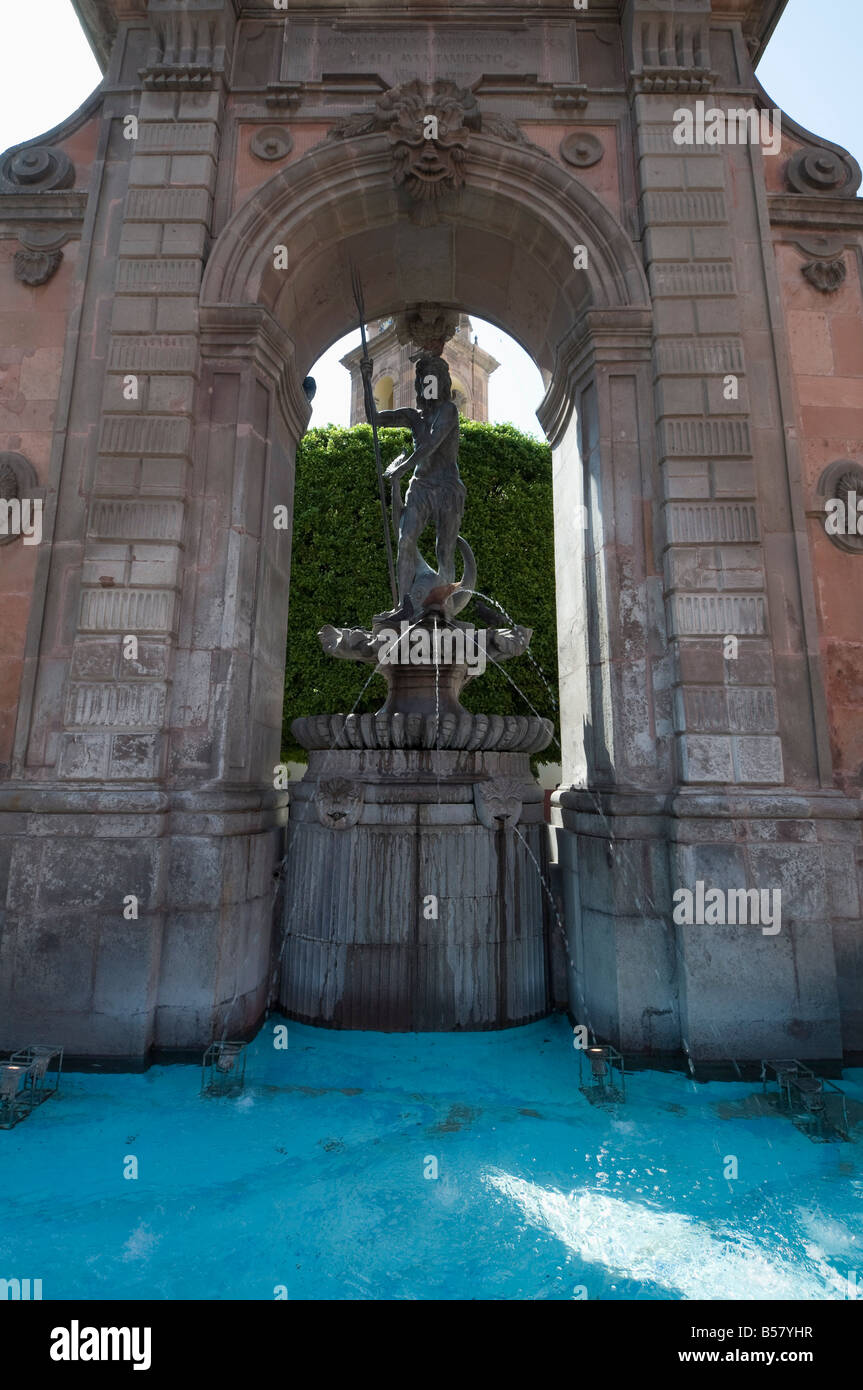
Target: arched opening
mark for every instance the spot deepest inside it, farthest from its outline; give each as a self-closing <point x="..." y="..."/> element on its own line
<point x="383" y="391"/>
<point x="502" y="250"/>
<point x="514" y="225"/>
<point x="460" y="396"/>
<point x="505" y="465"/>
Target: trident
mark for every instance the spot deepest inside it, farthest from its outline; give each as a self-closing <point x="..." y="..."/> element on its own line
<point x="372" y="417"/>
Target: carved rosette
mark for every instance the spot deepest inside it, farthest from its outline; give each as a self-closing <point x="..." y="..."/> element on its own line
<point x="581" y="149"/>
<point x="428" y="164"/>
<point x="338" y="802"/>
<point x="271" y="142"/>
<point x="498" y="802"/>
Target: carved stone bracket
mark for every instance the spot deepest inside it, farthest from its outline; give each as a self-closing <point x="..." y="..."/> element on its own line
<point x="36" y="267"/>
<point x="498" y="802"/>
<point x="827" y="276"/>
<point x="570" y="98"/>
<point x="825" y="267"/>
<point x="427" y="326"/>
<point x="39" y="255"/>
<point x="189" y="45"/>
<point x="36" y="169"/>
<point x="284" y="95"/>
<point x="671" y="79"/>
<point x="338" y="802"/>
<point x="669" y="47"/>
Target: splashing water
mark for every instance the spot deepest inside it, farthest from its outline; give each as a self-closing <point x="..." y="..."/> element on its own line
<point x="529" y="654"/>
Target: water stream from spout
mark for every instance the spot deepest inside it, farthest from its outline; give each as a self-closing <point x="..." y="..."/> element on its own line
<point x="529" y="654"/>
<point x="644" y="903"/>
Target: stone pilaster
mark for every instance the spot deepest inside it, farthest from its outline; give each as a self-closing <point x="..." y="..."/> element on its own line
<point x="743" y="705"/>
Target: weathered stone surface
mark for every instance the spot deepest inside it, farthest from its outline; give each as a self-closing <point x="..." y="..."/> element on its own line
<point x="365" y="946"/>
<point x="704" y="372"/>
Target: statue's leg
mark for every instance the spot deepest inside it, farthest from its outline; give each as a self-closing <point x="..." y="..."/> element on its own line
<point x="448" y="523"/>
<point x="410" y="529"/>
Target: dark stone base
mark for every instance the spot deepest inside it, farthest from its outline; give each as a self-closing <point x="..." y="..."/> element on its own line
<point x="374" y="837"/>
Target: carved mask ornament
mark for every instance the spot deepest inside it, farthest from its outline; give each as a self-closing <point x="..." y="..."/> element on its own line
<point x="429" y="125"/>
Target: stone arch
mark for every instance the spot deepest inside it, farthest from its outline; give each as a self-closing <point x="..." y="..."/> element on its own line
<point x="337" y="200"/>
<point x="503" y="249"/>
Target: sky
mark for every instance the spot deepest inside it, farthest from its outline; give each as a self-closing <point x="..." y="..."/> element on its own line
<point x="810" y="71"/>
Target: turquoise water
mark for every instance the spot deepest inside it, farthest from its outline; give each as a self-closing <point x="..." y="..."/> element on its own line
<point x="313" y="1180"/>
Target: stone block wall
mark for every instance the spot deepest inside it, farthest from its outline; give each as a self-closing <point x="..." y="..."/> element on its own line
<point x="704" y="401"/>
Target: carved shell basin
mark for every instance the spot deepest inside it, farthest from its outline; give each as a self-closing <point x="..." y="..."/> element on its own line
<point x="505" y="733"/>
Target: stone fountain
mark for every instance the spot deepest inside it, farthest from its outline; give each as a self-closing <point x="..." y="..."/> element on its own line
<point x="414" y="900"/>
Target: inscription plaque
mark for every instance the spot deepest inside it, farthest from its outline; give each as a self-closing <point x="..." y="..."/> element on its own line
<point x="317" y="51"/>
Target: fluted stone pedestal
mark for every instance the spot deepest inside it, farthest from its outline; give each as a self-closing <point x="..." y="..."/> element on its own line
<point x="412" y="903"/>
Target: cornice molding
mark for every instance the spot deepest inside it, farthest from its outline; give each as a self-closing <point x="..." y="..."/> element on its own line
<point x="64" y="210"/>
<point x="100" y="19"/>
<point x="812" y="212"/>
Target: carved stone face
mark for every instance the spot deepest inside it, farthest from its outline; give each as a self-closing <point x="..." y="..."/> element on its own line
<point x="498" y="802"/>
<point x="338" y="802"/>
<point x="430" y="166"/>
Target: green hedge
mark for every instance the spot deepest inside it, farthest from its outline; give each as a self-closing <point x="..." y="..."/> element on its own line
<point x="339" y="573"/>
